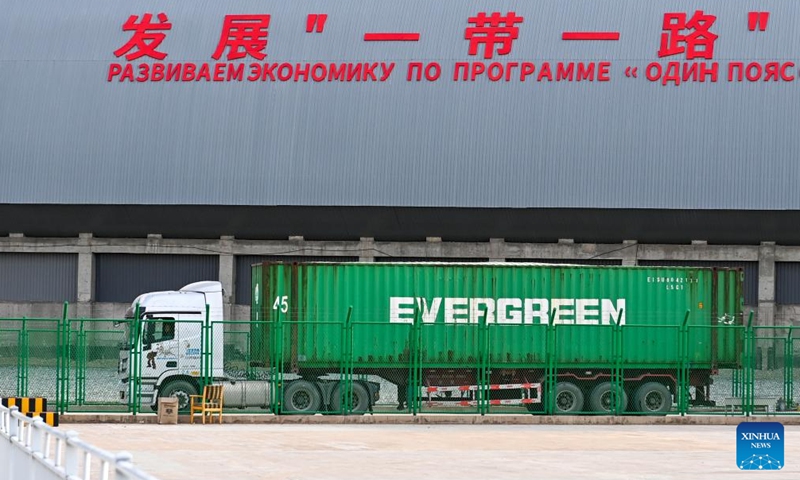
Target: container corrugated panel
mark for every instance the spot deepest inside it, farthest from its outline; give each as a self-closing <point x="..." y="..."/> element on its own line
<point x="750" y="273"/>
<point x="38" y="277"/>
<point x="571" y="261"/>
<point x="121" y="277"/>
<point x="244" y="269"/>
<point x="452" y="299"/>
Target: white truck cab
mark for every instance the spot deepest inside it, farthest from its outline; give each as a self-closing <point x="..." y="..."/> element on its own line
<point x="171" y="341"/>
<point x="170" y="334"/>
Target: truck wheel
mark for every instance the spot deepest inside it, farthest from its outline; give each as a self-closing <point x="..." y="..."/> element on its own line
<point x="359" y="402"/>
<point x="569" y="399"/>
<point x="653" y="397"/>
<point x="301" y="396"/>
<point x="181" y="389"/>
<point x="604" y="395"/>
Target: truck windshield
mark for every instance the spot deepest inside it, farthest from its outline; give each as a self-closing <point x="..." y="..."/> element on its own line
<point x="127" y="339"/>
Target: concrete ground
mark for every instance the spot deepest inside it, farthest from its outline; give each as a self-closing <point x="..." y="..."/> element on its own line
<point x="238" y="451"/>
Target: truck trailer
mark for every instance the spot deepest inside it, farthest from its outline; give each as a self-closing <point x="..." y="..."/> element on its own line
<point x="585" y="339"/>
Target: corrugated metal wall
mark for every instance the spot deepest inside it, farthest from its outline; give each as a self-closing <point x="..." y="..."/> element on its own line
<point x="38" y="277"/>
<point x="750" y="273"/>
<point x="787" y="283"/>
<point x="122" y="277"/>
<point x="623" y="143"/>
<point x="244" y="293"/>
<point x="593" y="261"/>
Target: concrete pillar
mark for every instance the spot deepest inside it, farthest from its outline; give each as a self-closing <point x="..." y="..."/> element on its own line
<point x="629" y="253"/>
<point x="85" y="268"/>
<point x="366" y="249"/>
<point x="433" y="247"/>
<point x="85" y="280"/>
<point x="766" y="301"/>
<point x="153" y="245"/>
<point x="766" y="284"/>
<point x="227" y="273"/>
<point x="497" y="249"/>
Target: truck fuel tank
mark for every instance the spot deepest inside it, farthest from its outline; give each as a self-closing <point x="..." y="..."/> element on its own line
<point x="246" y="393"/>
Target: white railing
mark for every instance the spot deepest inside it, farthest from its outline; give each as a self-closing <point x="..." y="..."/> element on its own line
<point x="32" y="450"/>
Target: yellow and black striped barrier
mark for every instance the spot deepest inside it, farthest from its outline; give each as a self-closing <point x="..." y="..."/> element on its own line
<point x="32" y="407"/>
<point x="50" y="418"/>
<point x="26" y="404"/>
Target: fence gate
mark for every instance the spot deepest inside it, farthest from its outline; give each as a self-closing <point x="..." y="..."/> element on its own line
<point x="773" y="382"/>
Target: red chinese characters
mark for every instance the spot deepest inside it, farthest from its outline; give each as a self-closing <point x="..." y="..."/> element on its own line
<point x="697" y="44"/>
<point x="243" y="35"/>
<point x="146" y="37"/>
<point x="492" y="31"/>
<point x="243" y="40"/>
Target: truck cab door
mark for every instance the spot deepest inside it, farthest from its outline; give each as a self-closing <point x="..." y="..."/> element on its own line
<point x="159" y="345"/>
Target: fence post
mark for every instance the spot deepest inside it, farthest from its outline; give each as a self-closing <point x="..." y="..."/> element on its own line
<point x="272" y="365"/>
<point x="206" y="372"/>
<point x="62" y="362"/>
<point x="4" y="419"/>
<point x="550" y="355"/>
<point x="80" y="364"/>
<point x="277" y="362"/>
<point x="59" y="361"/>
<point x="71" y="455"/>
<point x="683" y="373"/>
<point x="122" y="459"/>
<point x="13" y="423"/>
<point x="749" y="371"/>
<point x="617" y="375"/>
<point x="249" y="368"/>
<point x="135" y="375"/>
<point x="788" y="369"/>
<point x="736" y="383"/>
<point x="23" y="357"/>
<point x="346" y="382"/>
<point x="415" y="346"/>
<point x="37" y="436"/>
<point x="483" y="369"/>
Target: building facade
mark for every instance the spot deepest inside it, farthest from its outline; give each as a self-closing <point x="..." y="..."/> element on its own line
<point x="148" y="146"/>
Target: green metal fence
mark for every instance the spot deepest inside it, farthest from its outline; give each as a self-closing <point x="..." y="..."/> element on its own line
<point x="93" y="356"/>
<point x="338" y="366"/>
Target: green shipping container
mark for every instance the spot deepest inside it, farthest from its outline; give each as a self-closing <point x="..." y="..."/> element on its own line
<point x="514" y="302"/>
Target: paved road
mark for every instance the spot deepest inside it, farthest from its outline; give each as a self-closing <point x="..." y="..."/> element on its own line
<point x="387" y="452"/>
